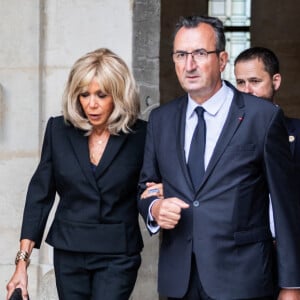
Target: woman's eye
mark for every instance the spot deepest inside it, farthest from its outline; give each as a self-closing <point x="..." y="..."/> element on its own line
<point x="101" y="95"/>
<point x="84" y="95"/>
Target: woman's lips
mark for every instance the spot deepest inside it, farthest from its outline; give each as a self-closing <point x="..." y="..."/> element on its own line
<point x="94" y="117"/>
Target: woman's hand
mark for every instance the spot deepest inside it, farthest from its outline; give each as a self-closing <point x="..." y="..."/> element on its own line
<point x="20" y="276"/>
<point x="153" y="189"/>
<point x="18" y="280"/>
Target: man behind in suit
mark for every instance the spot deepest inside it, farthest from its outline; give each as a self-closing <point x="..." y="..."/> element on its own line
<point x="257" y="72"/>
<point x="216" y="242"/>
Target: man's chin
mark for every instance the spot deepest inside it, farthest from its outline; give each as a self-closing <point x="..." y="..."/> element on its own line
<point x="266" y="98"/>
<point x="192" y="88"/>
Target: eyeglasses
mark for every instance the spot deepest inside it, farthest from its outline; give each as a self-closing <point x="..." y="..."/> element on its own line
<point x="198" y="55"/>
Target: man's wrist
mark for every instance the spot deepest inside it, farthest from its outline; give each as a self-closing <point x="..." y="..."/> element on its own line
<point x="153" y="209"/>
<point x="151" y="223"/>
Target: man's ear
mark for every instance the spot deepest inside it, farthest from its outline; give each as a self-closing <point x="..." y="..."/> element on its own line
<point x="223" y="58"/>
<point x="276" y="81"/>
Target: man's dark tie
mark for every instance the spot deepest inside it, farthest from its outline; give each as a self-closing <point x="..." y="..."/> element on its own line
<point x="197" y="149"/>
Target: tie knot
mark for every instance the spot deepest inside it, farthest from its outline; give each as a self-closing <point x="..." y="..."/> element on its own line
<point x="199" y="111"/>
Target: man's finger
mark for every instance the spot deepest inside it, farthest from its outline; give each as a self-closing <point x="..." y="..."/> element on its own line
<point x="180" y="203"/>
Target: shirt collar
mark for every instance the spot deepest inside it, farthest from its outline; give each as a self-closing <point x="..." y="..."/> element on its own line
<point x="211" y="105"/>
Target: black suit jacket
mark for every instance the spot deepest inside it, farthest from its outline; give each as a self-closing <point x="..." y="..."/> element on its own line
<point x="227" y="223"/>
<point x="293" y="127"/>
<point x="96" y="212"/>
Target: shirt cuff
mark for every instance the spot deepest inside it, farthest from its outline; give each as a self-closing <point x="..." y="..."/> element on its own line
<point x="152" y="226"/>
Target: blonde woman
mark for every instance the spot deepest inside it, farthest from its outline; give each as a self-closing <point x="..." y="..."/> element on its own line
<point x="91" y="158"/>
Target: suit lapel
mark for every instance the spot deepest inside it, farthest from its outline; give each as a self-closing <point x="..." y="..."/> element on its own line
<point x="180" y="135"/>
<point x="234" y="119"/>
<point x="80" y="146"/>
<point x="112" y="148"/>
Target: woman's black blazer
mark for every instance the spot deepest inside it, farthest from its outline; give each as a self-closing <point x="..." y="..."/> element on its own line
<point x="97" y="211"/>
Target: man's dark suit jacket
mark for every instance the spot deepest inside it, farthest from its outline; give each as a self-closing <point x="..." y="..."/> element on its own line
<point x="96" y="212"/>
<point x="293" y="127"/>
<point x="227" y="223"/>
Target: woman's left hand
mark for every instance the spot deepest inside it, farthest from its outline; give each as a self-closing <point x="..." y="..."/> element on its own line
<point x="153" y="189"/>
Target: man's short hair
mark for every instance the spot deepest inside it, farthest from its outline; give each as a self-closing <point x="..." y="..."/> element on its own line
<point x="266" y="55"/>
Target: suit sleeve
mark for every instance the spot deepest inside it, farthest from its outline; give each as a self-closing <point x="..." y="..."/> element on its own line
<point x="40" y="194"/>
<point x="149" y="171"/>
<point x="280" y="171"/>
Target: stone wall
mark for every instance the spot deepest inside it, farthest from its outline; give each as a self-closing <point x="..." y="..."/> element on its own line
<point x="146" y="39"/>
<point x="19" y="124"/>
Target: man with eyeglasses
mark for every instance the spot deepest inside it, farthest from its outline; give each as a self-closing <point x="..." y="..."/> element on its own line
<point x="218" y="156"/>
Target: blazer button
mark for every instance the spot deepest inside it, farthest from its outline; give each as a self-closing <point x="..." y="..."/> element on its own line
<point x="196" y="203"/>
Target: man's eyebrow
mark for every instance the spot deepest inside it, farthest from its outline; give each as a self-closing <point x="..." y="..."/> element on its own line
<point x="255" y="78"/>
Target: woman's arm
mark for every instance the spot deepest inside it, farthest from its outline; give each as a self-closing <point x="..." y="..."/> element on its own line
<point x="20" y="276"/>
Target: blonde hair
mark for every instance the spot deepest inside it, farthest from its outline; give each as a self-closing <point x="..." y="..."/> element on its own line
<point x="114" y="78"/>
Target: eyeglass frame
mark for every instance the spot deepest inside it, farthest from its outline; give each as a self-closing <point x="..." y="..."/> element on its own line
<point x="193" y="53"/>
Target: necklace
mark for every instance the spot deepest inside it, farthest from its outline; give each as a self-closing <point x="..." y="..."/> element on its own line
<point x="97" y="144"/>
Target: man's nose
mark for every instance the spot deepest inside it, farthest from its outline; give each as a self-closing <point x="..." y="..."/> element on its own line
<point x="190" y="62"/>
<point x="248" y="89"/>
